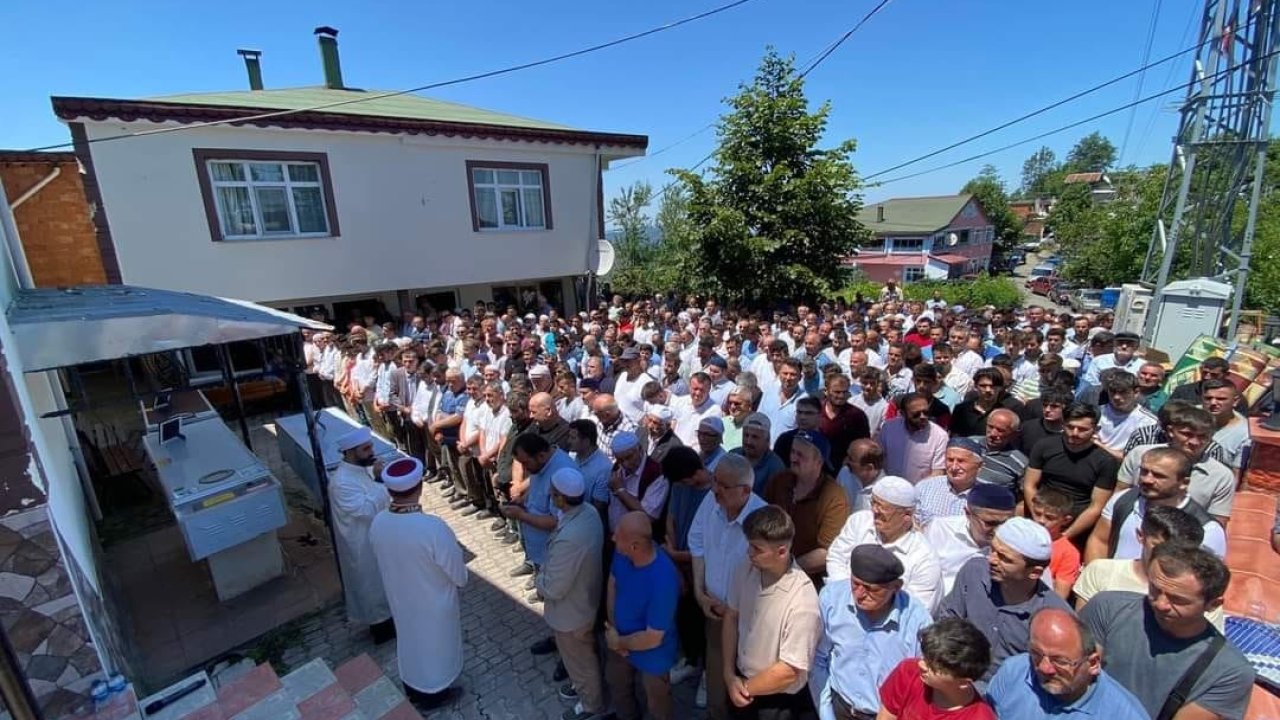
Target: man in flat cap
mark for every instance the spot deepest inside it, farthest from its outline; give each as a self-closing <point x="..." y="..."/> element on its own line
<point x="889" y="524"/>
<point x="944" y="495"/>
<point x="636" y="482"/>
<point x="870" y="625"/>
<point x="755" y="448"/>
<point x="357" y="498"/>
<point x="957" y="540"/>
<point x="422" y="567"/>
<point x="1001" y="592"/>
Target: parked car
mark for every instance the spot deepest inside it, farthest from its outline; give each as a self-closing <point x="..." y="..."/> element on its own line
<point x="1084" y="300"/>
<point x="1042" y="271"/>
<point x="1054" y="260"/>
<point x="1062" y="292"/>
<point x="1042" y="285"/>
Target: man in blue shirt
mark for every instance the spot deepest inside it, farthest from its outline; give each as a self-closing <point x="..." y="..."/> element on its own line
<point x="532" y="507"/>
<point x="643" y="590"/>
<point x="870" y="625"/>
<point x="1061" y="675"/>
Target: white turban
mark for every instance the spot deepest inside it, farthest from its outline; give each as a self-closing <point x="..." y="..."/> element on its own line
<point x="355" y="439"/>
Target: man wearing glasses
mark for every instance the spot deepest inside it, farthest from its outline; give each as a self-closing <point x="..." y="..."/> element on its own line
<point x="1061" y="674"/>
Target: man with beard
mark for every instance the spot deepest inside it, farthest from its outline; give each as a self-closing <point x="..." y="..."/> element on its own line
<point x="970" y="416"/>
<point x="871" y="401"/>
<point x="779" y="401"/>
<point x="357" y="499"/>
<point x="841" y="422"/>
<point x="914" y="446"/>
<point x="1077" y="466"/>
<point x="956" y="540"/>
<point x="755" y="448"/>
<point x="890" y="523"/>
<point x="812" y="499"/>
<point x="547" y="422"/>
<point x="1188" y="429"/>
<point x="1060" y="674"/>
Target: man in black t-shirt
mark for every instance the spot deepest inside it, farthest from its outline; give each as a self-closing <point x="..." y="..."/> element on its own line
<point x="1077" y="466"/>
<point x="1047" y="421"/>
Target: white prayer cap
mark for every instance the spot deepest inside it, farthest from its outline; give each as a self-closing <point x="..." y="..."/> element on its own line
<point x="895" y="490"/>
<point x="1070" y="364"/>
<point x="403" y="474"/>
<point x="1026" y="537"/>
<point x="624" y="441"/>
<point x="355" y="439"/>
<point x="569" y="482"/>
<point x="659" y="412"/>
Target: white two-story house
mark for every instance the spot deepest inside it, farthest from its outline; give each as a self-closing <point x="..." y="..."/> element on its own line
<point x="344" y="201"/>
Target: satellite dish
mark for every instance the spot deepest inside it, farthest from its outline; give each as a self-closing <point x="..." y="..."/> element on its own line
<point x="602" y="260"/>
<point x="952" y="239"/>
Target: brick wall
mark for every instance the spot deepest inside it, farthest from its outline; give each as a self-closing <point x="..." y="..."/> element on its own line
<point x="55" y="224"/>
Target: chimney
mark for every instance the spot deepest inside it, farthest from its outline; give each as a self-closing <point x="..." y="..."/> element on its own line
<point x="253" y="67"/>
<point x="329" y="56"/>
<point x="879" y="213"/>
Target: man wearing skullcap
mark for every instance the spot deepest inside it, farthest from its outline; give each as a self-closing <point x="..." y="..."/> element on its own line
<point x="944" y="495"/>
<point x="356" y="499"/>
<point x="710" y="437"/>
<point x="957" y="540"/>
<point x="659" y="421"/>
<point x="569" y="583"/>
<point x="813" y="499"/>
<point x="999" y="594"/>
<point x="889" y="524"/>
<point x="636" y="482"/>
<point x="422" y="567"/>
<point x="870" y="625"/>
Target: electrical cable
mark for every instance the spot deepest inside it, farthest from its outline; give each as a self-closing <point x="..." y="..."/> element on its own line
<point x="1034" y="113"/>
<point x="836" y="45"/>
<point x="1137" y="92"/>
<point x="1064" y="128"/>
<point x="430" y="86"/>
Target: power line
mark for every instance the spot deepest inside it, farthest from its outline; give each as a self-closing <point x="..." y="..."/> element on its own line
<point x="1155" y="112"/>
<point x="1064" y="128"/>
<point x="1137" y="92"/>
<point x="430" y="86"/>
<point x="1034" y="113"/>
<point x="834" y="46"/>
<point x="809" y="67"/>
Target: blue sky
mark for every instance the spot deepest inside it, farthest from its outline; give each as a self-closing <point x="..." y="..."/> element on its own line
<point x="919" y="75"/>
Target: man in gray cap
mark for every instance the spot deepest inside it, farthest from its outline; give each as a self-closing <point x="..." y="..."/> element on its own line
<point x="888" y="523"/>
<point x="1001" y="592"/>
<point x="944" y="495"/>
<point x="569" y="583"/>
<point x="870" y="625"/>
<point x="755" y="448"/>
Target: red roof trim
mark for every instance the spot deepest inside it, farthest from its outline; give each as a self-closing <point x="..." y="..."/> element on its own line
<point x="71" y="108"/>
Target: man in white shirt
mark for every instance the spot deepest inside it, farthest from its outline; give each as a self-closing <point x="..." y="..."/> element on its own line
<point x="779" y="402"/>
<point x="692" y="409"/>
<point x="422" y="567"/>
<point x="1122" y="414"/>
<point x="889" y="523"/>
<point x="629" y="383"/>
<point x="719" y="547"/>
<point x="966" y="361"/>
<point x="957" y="539"/>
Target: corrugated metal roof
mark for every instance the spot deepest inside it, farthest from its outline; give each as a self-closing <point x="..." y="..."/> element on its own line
<point x="922" y="215"/>
<point x="61" y="327"/>
<point x="405" y="107"/>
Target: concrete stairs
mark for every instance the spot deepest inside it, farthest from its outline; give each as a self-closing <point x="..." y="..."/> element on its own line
<point x="356" y="690"/>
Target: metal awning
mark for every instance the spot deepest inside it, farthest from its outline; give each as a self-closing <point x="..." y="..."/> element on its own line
<point x="62" y="327"/>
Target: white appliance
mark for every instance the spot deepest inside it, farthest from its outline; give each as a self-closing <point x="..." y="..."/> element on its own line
<point x="1131" y="308"/>
<point x="1186" y="309"/>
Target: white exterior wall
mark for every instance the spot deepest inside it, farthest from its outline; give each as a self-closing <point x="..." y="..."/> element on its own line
<point x="403" y="209"/>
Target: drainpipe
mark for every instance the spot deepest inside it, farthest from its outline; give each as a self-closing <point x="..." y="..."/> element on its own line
<point x="594" y="219"/>
<point x="35" y="189"/>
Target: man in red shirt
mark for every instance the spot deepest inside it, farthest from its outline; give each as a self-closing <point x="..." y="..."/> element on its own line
<point x="919" y="336"/>
<point x="940" y="684"/>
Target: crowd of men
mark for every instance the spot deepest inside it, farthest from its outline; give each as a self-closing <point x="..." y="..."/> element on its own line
<point x="886" y="510"/>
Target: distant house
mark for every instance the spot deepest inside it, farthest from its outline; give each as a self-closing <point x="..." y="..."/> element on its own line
<point x="925" y="237"/>
<point x="1100" y="187"/>
<point x="1033" y="213"/>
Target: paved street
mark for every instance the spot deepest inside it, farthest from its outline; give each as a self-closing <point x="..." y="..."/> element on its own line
<point x="1020" y="274"/>
<point x="500" y="678"/>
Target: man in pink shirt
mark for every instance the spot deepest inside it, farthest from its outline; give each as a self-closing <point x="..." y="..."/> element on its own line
<point x="914" y="446"/>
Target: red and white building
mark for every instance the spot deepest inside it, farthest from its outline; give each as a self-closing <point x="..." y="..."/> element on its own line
<point x="935" y="238"/>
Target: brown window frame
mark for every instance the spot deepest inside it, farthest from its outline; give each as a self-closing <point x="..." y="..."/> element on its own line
<point x="202" y="156"/>
<point x="542" y="168"/>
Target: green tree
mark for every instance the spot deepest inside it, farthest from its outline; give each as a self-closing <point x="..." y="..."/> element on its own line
<point x="635" y="249"/>
<point x="1105" y="244"/>
<point x="988" y="188"/>
<point x="1093" y="153"/>
<point x="776" y="214"/>
<point x="1263" y="288"/>
<point x="1035" y="170"/>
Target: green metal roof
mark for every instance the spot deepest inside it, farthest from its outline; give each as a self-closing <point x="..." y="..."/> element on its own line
<point x="921" y="215"/>
<point x="404" y="107"/>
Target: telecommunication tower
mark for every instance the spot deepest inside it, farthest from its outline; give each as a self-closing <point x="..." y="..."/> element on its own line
<point x="1212" y="191"/>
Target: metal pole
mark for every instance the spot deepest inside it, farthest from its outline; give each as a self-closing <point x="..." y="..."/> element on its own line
<point x="229" y="377"/>
<point x="297" y="369"/>
<point x="14" y="689"/>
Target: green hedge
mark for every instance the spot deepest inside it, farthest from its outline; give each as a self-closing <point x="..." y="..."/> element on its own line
<point x="1001" y="292"/>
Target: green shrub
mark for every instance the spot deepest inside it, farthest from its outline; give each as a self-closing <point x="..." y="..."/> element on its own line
<point x="1001" y="292"/>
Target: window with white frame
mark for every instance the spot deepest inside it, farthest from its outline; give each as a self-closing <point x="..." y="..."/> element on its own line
<point x="509" y="196"/>
<point x="258" y="199"/>
<point x="908" y="244"/>
<point x="912" y="273"/>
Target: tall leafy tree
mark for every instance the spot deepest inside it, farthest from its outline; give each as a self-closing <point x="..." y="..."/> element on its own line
<point x="1093" y="153"/>
<point x="1106" y="244"/>
<point x="635" y="249"/>
<point x="776" y="214"/>
<point x="1035" y="170"/>
<point x="988" y="188"/>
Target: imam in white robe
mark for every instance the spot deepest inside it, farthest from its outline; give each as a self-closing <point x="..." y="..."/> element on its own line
<point x="356" y="500"/>
<point x="423" y="569"/>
